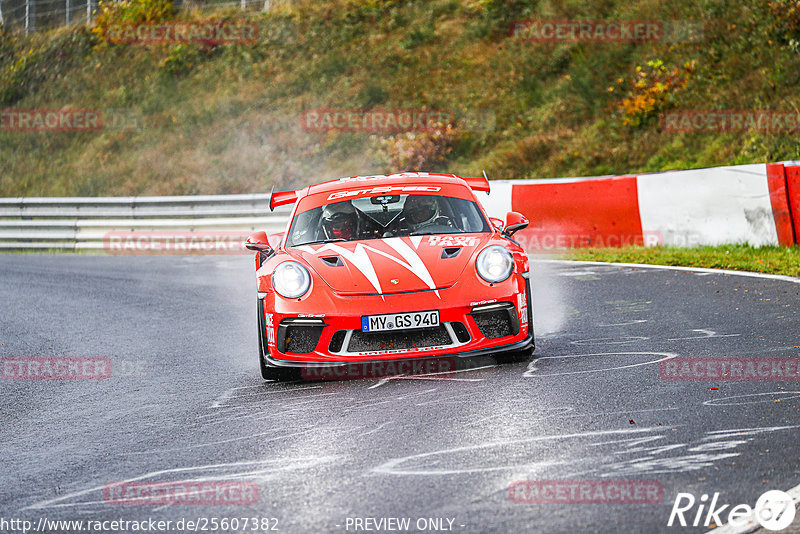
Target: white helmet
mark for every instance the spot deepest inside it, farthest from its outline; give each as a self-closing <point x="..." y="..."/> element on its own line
<point x="420" y="210"/>
<point x="339" y="221"/>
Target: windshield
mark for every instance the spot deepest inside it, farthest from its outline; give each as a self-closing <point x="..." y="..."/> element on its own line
<point x="383" y="216"/>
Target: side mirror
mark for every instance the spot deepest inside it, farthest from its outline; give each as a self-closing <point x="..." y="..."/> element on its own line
<point x="275" y="240"/>
<point x="258" y="241"/>
<point x="514" y="222"/>
<point x="497" y="223"/>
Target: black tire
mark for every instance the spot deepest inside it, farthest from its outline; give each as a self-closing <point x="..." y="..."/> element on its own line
<point x="268" y="372"/>
<point x="520" y="356"/>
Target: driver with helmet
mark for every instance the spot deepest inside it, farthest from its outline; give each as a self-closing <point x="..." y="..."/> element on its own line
<point x="340" y="221"/>
<point x="420" y="211"/>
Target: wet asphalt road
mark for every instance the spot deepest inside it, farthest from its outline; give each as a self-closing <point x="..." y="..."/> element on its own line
<point x="185" y="402"/>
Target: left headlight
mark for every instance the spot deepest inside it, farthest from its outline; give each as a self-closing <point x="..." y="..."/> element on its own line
<point x="494" y="264"/>
<point x="291" y="280"/>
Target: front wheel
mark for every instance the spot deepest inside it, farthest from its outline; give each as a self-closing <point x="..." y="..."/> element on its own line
<point x="268" y="372"/>
<point x="520" y="356"/>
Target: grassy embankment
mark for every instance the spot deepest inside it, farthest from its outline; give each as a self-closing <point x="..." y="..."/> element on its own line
<point x="226" y="119"/>
<point x="771" y="260"/>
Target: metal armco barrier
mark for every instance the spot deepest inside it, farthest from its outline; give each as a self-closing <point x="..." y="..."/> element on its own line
<point x="74" y="224"/>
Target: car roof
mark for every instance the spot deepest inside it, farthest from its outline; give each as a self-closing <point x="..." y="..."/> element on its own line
<point x="379" y="180"/>
<point x="403" y="180"/>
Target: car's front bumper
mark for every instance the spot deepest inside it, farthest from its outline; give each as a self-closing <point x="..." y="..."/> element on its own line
<point x="327" y="339"/>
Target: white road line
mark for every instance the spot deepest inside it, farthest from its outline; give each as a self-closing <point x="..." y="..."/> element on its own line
<point x="531" y="373"/>
<point x="260" y="470"/>
<point x="395" y="466"/>
<point x="619" y="412"/>
<point x="211" y="443"/>
<point x="708" y="335"/>
<point x="433" y="376"/>
<point x="577" y="273"/>
<point x="423" y="377"/>
<point x="228" y="395"/>
<point x="635" y="321"/>
<point x="373" y="430"/>
<point x="622" y="340"/>
<point x="779" y="277"/>
<point x="782" y="393"/>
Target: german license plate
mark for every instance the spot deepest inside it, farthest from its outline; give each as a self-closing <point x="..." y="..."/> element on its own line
<point x="399" y="321"/>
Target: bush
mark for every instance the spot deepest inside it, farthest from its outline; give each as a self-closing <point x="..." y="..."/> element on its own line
<point x="411" y="151"/>
<point x="418" y="35"/>
<point x="15" y="76"/>
<point x="495" y="17"/>
<point x="113" y="14"/>
<point x="786" y="22"/>
<point x="180" y="60"/>
<point x="23" y="66"/>
<point x="651" y="91"/>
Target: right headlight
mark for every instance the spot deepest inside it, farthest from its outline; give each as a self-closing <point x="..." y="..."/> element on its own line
<point x="291" y="280"/>
<point x="494" y="264"/>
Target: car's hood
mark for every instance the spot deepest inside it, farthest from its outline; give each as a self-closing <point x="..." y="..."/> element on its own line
<point x="392" y="265"/>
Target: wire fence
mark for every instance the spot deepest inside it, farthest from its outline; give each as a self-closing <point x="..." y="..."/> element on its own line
<point x="33" y="15"/>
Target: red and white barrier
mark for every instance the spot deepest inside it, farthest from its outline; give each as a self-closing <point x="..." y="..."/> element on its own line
<point x="708" y="206"/>
<point x="757" y="204"/>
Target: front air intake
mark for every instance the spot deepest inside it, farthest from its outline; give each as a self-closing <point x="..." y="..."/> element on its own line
<point x="299" y="335"/>
<point x="337" y="341"/>
<point x="399" y="339"/>
<point x="496" y="320"/>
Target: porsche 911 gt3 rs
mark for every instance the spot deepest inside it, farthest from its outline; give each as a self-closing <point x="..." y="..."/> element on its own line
<point x="391" y="267"/>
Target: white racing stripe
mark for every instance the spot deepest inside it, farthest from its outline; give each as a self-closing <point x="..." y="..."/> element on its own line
<point x="361" y="261"/>
<point x="415" y="263"/>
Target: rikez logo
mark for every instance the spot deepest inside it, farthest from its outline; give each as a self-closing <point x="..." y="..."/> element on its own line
<point x="774" y="510"/>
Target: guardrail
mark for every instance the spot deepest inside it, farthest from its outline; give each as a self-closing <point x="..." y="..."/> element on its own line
<point x="86" y="223"/>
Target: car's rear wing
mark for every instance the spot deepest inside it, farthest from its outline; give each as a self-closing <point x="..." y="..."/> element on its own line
<point x="480" y="183"/>
<point x="280" y="198"/>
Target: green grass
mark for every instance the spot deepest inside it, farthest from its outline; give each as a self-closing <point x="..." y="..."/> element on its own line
<point x="771" y="260"/>
<point x="226" y="119"/>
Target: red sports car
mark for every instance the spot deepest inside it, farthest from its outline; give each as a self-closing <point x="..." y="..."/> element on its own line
<point x="390" y="268"/>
